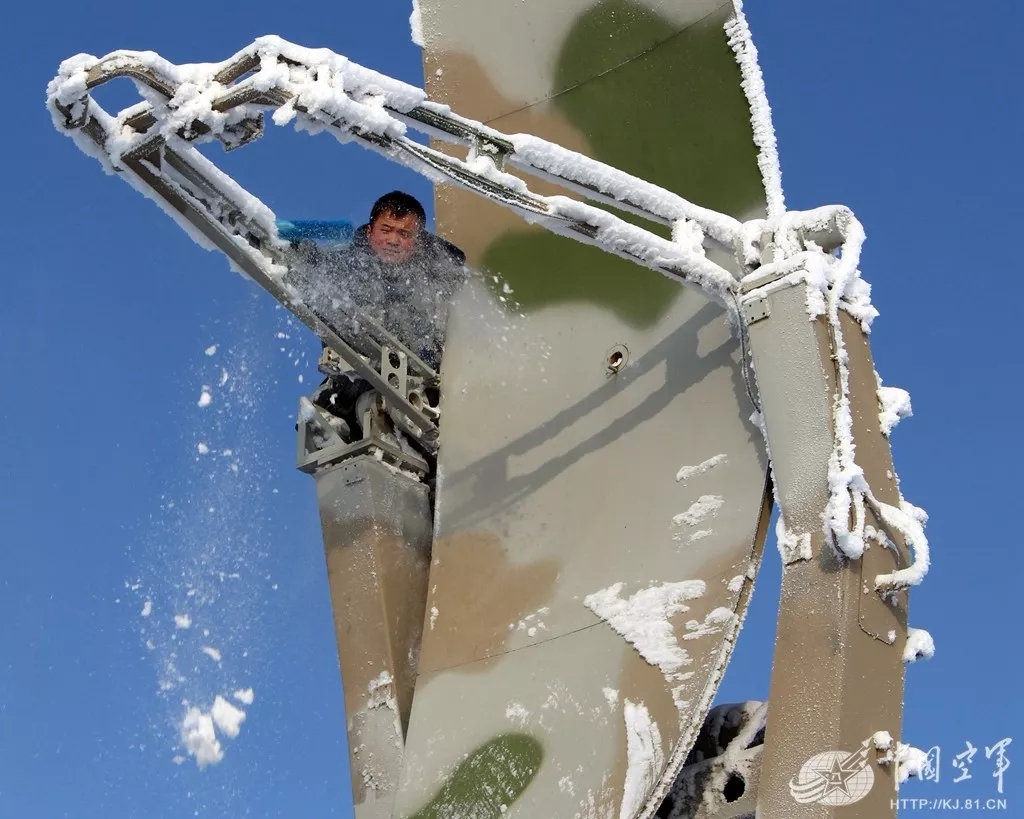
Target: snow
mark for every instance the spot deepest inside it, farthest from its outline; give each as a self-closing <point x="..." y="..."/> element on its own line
<point x="792" y="547"/>
<point x="202" y="448"/>
<point x="919" y="644"/>
<point x="894" y="406"/>
<point x="562" y="164"/>
<point x="147" y="608"/>
<point x="910" y="761"/>
<point x="742" y="44"/>
<point x="621" y="238"/>
<point x="685" y="473"/>
<point x="517" y="712"/>
<point x="705" y="505"/>
<point x="211" y="350"/>
<point x="204" y="398"/>
<point x="204" y="571"/>
<point x="644" y="758"/>
<point x="381" y="692"/>
<point x="642" y="620"/>
<point x="531" y="623"/>
<point x="307" y="412"/>
<point x="198" y="730"/>
<point x="611" y="696"/>
<point x="909" y="520"/>
<point x="228" y="718"/>
<point x="720" y="753"/>
<point x="244" y="696"/>
<point x="716" y="620"/>
<point x="416" y="24"/>
<point x="199" y="738"/>
<point x="326" y="91"/>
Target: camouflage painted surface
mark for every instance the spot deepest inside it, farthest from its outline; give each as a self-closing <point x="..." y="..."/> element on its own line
<point x="838" y="675"/>
<point x="376" y="528"/>
<point x="580" y="595"/>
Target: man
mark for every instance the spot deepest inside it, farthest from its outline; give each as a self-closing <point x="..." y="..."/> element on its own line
<point x="394" y="271"/>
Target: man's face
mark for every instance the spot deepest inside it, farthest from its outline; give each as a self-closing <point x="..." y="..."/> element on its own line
<point x="393" y="238"/>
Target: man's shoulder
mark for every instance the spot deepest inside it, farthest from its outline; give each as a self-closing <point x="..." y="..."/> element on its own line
<point x="444" y="250"/>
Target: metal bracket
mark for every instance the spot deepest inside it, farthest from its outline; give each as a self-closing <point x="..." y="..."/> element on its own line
<point x="394" y="368"/>
<point x="320" y="445"/>
<point x="495" y="150"/>
<point x="756" y="309"/>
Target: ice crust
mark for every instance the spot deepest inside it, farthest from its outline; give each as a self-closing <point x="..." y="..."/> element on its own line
<point x="645" y="758"/>
<point x="742" y="44"/>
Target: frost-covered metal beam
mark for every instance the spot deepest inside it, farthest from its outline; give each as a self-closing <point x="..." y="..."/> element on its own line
<point x="842" y="636"/>
<point x="323" y="91"/>
<point x="220" y="215"/>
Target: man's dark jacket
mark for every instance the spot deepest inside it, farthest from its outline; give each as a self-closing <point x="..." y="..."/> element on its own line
<point x="410" y="299"/>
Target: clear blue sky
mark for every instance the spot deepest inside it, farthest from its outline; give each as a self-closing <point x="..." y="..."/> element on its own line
<point x="907" y="112"/>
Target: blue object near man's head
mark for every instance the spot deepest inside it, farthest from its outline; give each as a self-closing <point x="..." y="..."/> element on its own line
<point x="321" y="231"/>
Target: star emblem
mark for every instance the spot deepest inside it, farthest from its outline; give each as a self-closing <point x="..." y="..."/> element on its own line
<point x="838" y="775"/>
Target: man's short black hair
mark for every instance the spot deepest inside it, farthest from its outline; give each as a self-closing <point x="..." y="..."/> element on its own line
<point x="398" y="204"/>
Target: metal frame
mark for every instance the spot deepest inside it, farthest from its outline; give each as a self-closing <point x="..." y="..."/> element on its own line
<point x="847" y="660"/>
<point x="313" y="456"/>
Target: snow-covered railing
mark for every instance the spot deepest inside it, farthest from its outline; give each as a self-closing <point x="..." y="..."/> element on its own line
<point x="319" y="90"/>
<point x="323" y="91"/>
<point x="804" y="242"/>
